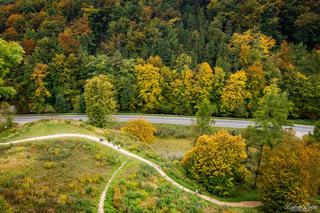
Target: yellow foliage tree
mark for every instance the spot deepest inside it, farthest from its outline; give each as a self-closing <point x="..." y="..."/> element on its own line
<point x="191" y="88"/>
<point x="182" y="92"/>
<point x="250" y="47"/>
<point x="235" y="92"/>
<point x="218" y="161"/>
<point x="142" y="129"/>
<point x="290" y="175"/>
<point x="256" y="83"/>
<point x="149" y="82"/>
<point x="100" y="100"/>
<point x="203" y="82"/>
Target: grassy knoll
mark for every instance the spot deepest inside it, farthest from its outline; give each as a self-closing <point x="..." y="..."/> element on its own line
<point x="55" y="176"/>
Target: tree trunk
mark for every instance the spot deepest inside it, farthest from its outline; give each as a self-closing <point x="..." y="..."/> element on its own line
<point x="258" y="167"/>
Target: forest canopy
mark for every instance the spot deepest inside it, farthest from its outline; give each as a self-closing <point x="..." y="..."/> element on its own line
<point x="165" y="56"/>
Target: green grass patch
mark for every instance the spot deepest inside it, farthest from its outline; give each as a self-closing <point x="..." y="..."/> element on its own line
<point x="47" y="127"/>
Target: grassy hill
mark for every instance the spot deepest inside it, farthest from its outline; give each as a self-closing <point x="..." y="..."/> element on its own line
<point x="56" y="175"/>
<point x="68" y="175"/>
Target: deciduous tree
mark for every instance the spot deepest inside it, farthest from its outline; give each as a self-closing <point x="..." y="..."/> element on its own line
<point x="11" y="54"/>
<point x="235" y="93"/>
<point x="204" y="118"/>
<point x="149" y="82"/>
<point x="217" y="162"/>
<point x="290" y="176"/>
<point x="41" y="92"/>
<point x="271" y="115"/>
<point x="100" y="100"/>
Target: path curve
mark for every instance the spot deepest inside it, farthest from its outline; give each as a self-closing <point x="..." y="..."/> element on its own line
<point x="104" y="193"/>
<point x="247" y="204"/>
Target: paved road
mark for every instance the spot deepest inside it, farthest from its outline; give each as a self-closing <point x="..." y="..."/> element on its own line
<point x="219" y="122"/>
<point x="247" y="204"/>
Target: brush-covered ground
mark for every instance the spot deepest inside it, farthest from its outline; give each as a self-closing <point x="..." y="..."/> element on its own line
<point x="61" y="175"/>
<point x="68" y="175"/>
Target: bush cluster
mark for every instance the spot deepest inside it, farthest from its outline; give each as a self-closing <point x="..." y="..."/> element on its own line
<point x="142" y="129"/>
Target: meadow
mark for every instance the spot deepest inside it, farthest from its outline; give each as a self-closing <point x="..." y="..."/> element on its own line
<point x="68" y="175"/>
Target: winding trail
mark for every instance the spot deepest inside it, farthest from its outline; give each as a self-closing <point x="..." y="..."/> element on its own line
<point x="104" y="193"/>
<point x="246" y="204"/>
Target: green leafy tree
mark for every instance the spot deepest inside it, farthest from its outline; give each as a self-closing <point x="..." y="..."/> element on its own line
<point x="204" y="118"/>
<point x="60" y="104"/>
<point x="316" y="131"/>
<point x="11" y="54"/>
<point x="100" y="100"/>
<point x="271" y="115"/>
<point x="217" y="88"/>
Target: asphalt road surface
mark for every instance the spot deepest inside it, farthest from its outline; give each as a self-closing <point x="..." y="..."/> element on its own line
<point x="219" y="122"/>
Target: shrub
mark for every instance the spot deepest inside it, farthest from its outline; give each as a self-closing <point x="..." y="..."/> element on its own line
<point x="63" y="199"/>
<point x="49" y="165"/>
<point x="217" y="161"/>
<point x="4" y="206"/>
<point x="316" y="131"/>
<point x="142" y="129"/>
<point x="116" y="197"/>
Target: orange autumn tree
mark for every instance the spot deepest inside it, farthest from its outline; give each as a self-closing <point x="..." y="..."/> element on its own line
<point x="68" y="41"/>
<point x="41" y="92"/>
<point x="218" y="162"/>
<point x="290" y="175"/>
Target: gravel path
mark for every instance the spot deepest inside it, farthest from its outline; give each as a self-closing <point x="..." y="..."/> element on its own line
<point x="248" y="204"/>
<point x="103" y="194"/>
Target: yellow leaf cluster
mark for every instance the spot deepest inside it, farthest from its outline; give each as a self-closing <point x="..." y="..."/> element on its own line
<point x="220" y="154"/>
<point x="149" y="82"/>
<point x="235" y="92"/>
<point x="142" y="129"/>
<point x="251" y="47"/>
<point x="38" y="75"/>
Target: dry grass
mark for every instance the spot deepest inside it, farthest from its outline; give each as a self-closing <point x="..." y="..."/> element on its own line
<point x="171" y="148"/>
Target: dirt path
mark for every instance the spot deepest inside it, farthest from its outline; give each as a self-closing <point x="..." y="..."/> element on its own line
<point x="104" y="193"/>
<point x="247" y="204"/>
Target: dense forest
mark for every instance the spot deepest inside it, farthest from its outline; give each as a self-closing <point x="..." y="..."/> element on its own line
<point x="165" y="56"/>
